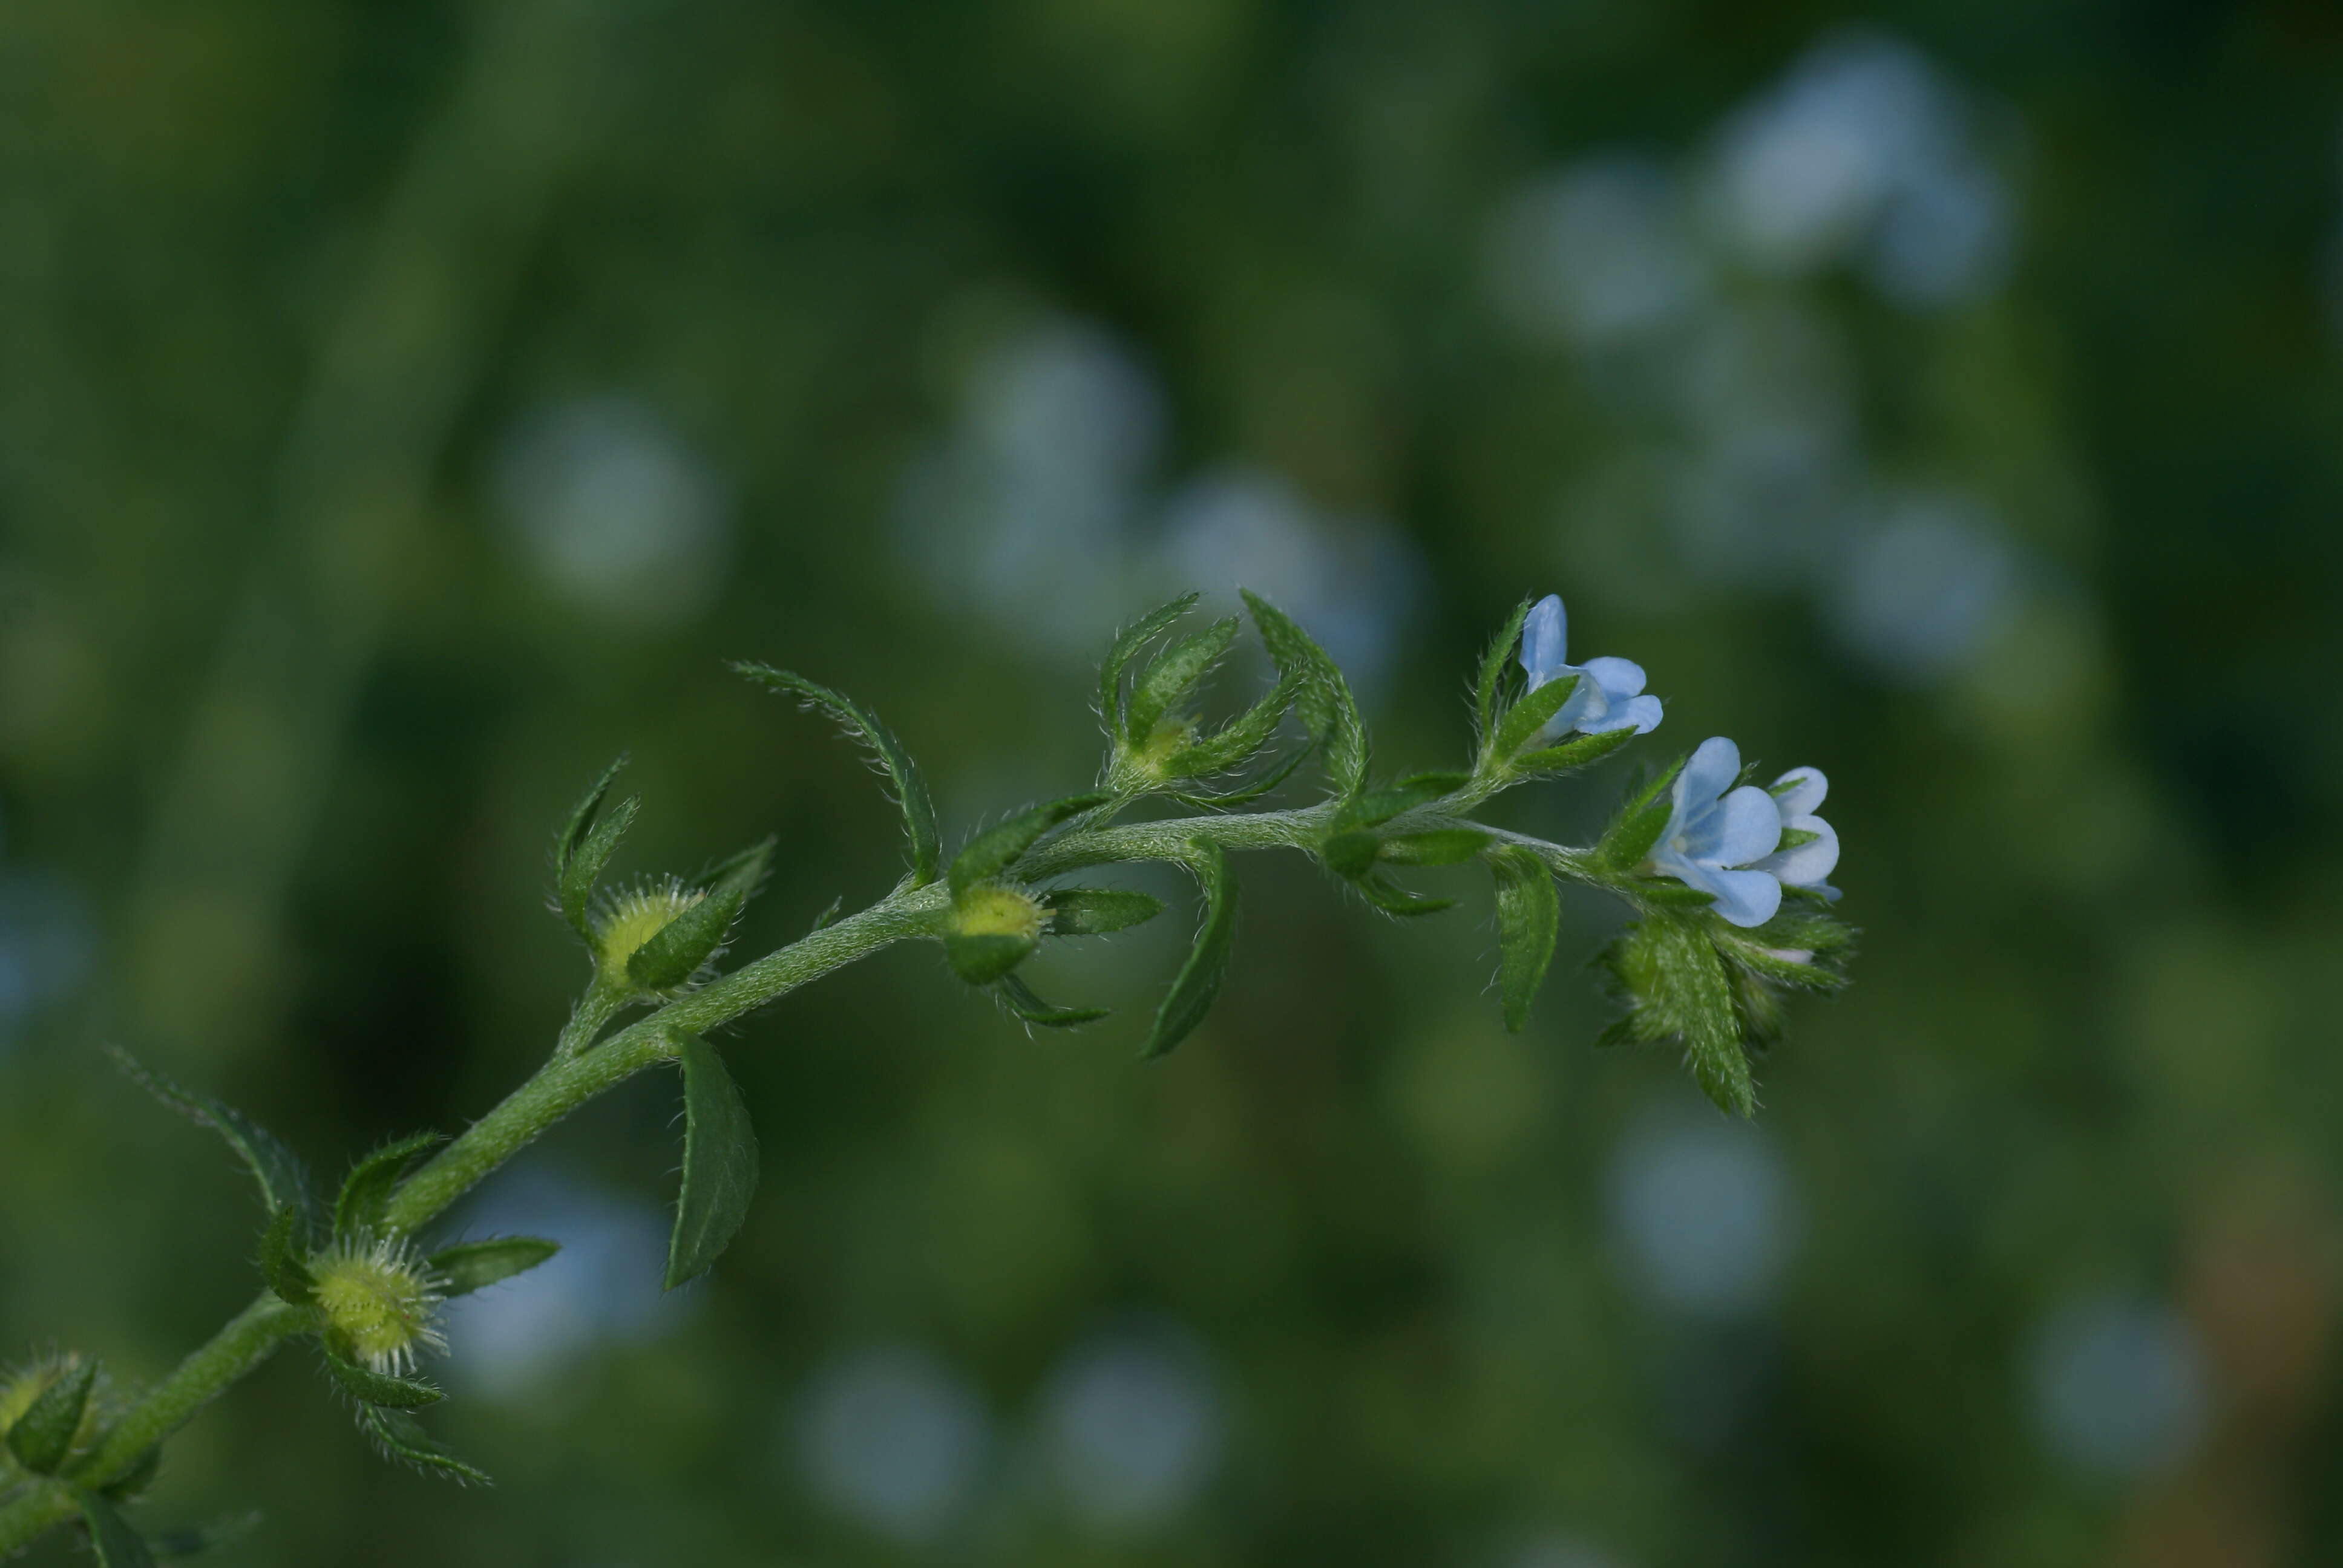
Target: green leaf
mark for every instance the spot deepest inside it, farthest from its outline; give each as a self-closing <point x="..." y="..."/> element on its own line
<point x="1252" y="791"/>
<point x="1666" y="969"/>
<point x="110" y="1536"/>
<point x="283" y="1180"/>
<point x="1199" y="981"/>
<point x="1672" y="895"/>
<point x="828" y="915"/>
<point x="367" y="1191"/>
<point x="995" y="849"/>
<point x="1376" y="807"/>
<point x="1572" y="755"/>
<point x="585" y="846"/>
<point x="981" y="960"/>
<point x="1437" y="847"/>
<point x="1529" y="917"/>
<point x="1018" y="997"/>
<point x="1236" y="741"/>
<point x="1524" y="719"/>
<point x="1393" y="899"/>
<point x="673" y="954"/>
<point x="283" y="1259"/>
<point x="1490" y="686"/>
<point x="469" y="1266"/>
<point x="45" y="1433"/>
<point x="400" y="1438"/>
<point x="1127" y="644"/>
<point x="911" y="789"/>
<point x="1351" y="854"/>
<point x="370" y="1387"/>
<point x="1167" y="681"/>
<point x="1320" y="697"/>
<point x="1094" y="911"/>
<point x="720" y="1162"/>
<point x="1639" y="824"/>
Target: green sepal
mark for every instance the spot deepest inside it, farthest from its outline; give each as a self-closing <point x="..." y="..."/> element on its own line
<point x="585" y="848"/>
<point x="1667" y="970"/>
<point x="673" y="954"/>
<point x="399" y="1437"/>
<point x="43" y="1435"/>
<point x="1351" y="854"/>
<point x="370" y="1387"/>
<point x="1199" y="981"/>
<point x="1524" y="719"/>
<point x="283" y="1180"/>
<point x="1529" y="918"/>
<point x="1322" y="698"/>
<point x="284" y="1260"/>
<point x="720" y="1162"/>
<point x="995" y="849"/>
<point x="1126" y="646"/>
<point x="1794" y="837"/>
<point x="365" y="1192"/>
<point x="1671" y="895"/>
<point x="115" y="1543"/>
<point x="911" y="789"/>
<point x="1393" y="899"/>
<point x="469" y="1266"/>
<point x="1019" y="999"/>
<point x="1639" y="824"/>
<point x="1173" y="673"/>
<point x="828" y="915"/>
<point x="1376" y="807"/>
<point x="1435" y="847"/>
<point x="1095" y="911"/>
<point x="981" y="960"/>
<point x="1235" y="742"/>
<point x="1251" y="791"/>
<point x="1552" y="761"/>
<point x="1490" y="686"/>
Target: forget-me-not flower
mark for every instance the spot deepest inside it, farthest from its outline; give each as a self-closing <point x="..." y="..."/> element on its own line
<point x="1716" y="832"/>
<point x="1803" y="865"/>
<point x="1609" y="693"/>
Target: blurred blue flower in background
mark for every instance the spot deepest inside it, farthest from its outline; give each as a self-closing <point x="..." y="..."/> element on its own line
<point x="2118" y="1385"/>
<point x="1597" y="254"/>
<point x="1922" y="592"/>
<point x="1702" y="1212"/>
<point x="1607" y="694"/>
<point x="1714" y="827"/>
<point x="894" y="1438"/>
<point x="1135" y="1427"/>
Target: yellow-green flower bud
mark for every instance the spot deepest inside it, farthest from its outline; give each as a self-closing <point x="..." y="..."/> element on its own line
<point x="626" y="920"/>
<point x="379" y="1301"/>
<point x="19" y="1387"/>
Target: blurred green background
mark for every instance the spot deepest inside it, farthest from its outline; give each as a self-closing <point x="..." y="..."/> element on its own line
<point x="406" y="407"/>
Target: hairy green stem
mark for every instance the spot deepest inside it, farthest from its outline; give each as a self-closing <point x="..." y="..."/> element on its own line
<point x="580" y="1069"/>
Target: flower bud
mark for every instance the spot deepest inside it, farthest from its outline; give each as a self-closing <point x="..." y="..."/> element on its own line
<point x="993" y="928"/>
<point x="379" y="1301"/>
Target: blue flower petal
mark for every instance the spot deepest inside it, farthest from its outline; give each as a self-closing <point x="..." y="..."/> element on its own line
<point x="1544" y="637"/>
<point x="1642" y="712"/>
<point x="1618" y="677"/>
<point x="1799" y="791"/>
<point x="1711" y="771"/>
<point x="1807" y="864"/>
<point x="1748" y="828"/>
<point x="1745" y="898"/>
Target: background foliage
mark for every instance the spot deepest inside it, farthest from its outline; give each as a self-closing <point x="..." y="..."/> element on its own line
<point x="406" y="407"/>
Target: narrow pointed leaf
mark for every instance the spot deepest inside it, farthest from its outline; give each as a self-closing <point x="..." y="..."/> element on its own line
<point x="469" y="1266"/>
<point x="573" y="892"/>
<point x="995" y="849"/>
<point x="1167" y="681"/>
<point x="1127" y="644"/>
<point x="720" y="1162"/>
<point x="1094" y="911"/>
<point x="1490" y="686"/>
<point x="45" y="1433"/>
<point x="1435" y="847"/>
<point x="1238" y="740"/>
<point x="283" y="1180"/>
<point x="1524" y="719"/>
<point x="1251" y="791"/>
<point x="1667" y="971"/>
<point x="1376" y="807"/>
<point x="1639" y="824"/>
<point x="400" y="1437"/>
<point x="1018" y="997"/>
<point x="370" y="1387"/>
<point x="981" y="960"/>
<point x="1674" y="895"/>
<point x="673" y="954"/>
<point x="582" y="870"/>
<point x="1199" y="981"/>
<point x="911" y="789"/>
<point x="1529" y="918"/>
<point x="1322" y="697"/>
<point x="282" y="1259"/>
<point x="828" y="915"/>
<point x="368" y="1189"/>
<point x="1571" y="754"/>
<point x="116" y="1545"/>
<point x="1393" y="899"/>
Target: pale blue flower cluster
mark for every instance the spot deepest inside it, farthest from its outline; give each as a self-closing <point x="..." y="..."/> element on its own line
<point x="1727" y="840"/>
<point x="1609" y="695"/>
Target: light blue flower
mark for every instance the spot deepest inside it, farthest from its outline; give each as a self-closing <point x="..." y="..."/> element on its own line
<point x="1796" y="795"/>
<point x="1715" y="831"/>
<point x="1609" y="692"/>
